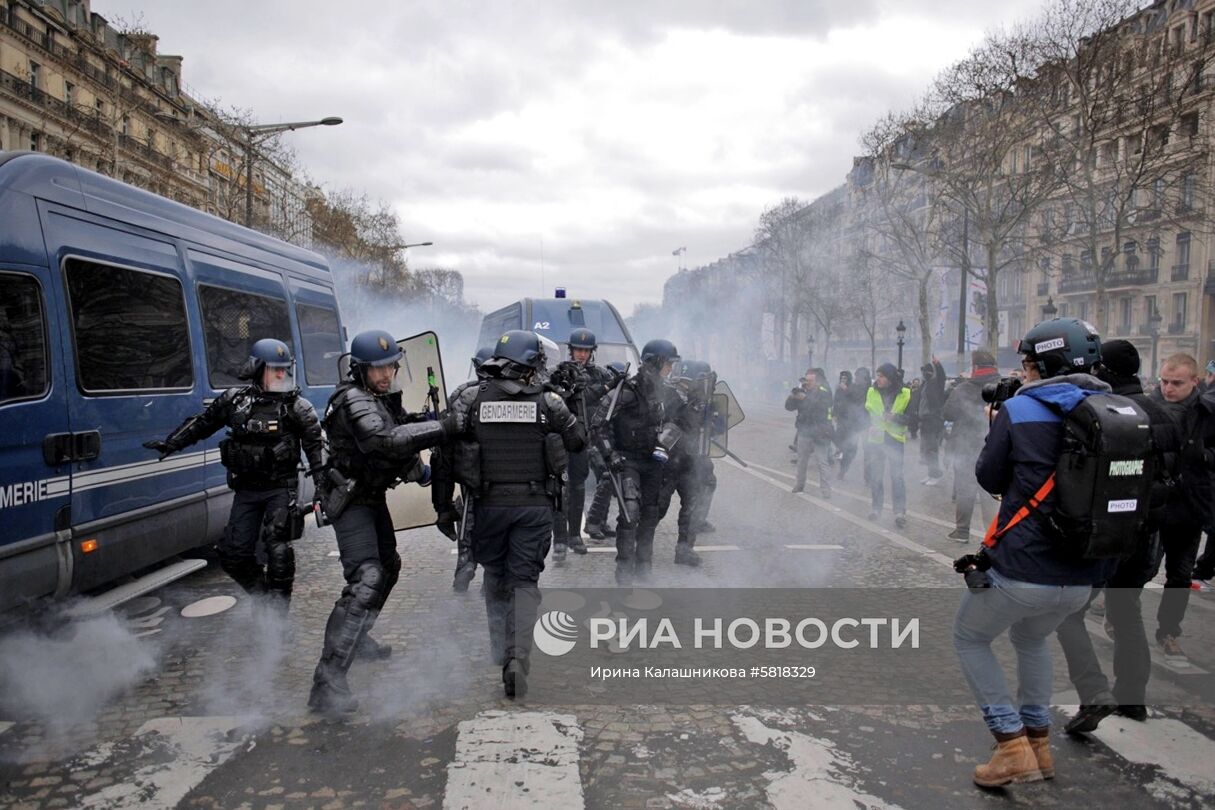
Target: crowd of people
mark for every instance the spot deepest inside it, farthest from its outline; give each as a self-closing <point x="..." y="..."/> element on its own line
<point x="1006" y="438"/>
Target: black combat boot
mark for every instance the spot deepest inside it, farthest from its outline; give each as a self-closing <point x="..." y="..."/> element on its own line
<point x="576" y="545"/>
<point x="371" y="650"/>
<point x="514" y="678"/>
<point x="684" y="555"/>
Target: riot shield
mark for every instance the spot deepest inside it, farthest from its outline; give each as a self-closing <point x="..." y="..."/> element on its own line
<point x="726" y="414"/>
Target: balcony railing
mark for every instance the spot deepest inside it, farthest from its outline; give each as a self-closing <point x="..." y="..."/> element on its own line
<point x="21" y="88"/>
<point x="146" y="152"/>
<point x="1181" y="272"/>
<point x="1077" y="282"/>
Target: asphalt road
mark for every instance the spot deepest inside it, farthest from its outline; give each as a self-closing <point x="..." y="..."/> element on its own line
<point x="156" y="708"/>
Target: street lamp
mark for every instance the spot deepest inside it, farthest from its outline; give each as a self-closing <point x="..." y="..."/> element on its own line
<point x="1049" y="310"/>
<point x="902" y="331"/>
<point x="1153" y="324"/>
<point x="810" y="352"/>
<point x="264" y="131"/>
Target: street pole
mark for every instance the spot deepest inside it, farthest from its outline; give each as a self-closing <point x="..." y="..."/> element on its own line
<point x="270" y="129"/>
<point x="962" y="289"/>
<point x="248" y="179"/>
<point x="901" y="330"/>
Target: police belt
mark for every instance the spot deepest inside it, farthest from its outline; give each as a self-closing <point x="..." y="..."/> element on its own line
<point x="523" y="493"/>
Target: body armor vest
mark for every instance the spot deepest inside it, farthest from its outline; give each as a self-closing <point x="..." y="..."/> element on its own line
<point x="261" y="450"/>
<point x="635" y="426"/>
<point x="510" y="430"/>
<point x="373" y="472"/>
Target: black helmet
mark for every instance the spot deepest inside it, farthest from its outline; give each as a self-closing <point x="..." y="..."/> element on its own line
<point x="266" y="353"/>
<point x="658" y="353"/>
<point x="375" y="347"/>
<point x="521" y="348"/>
<point x="1062" y="346"/>
<point x="483" y="354"/>
<point x="583" y="338"/>
<point x="691" y="369"/>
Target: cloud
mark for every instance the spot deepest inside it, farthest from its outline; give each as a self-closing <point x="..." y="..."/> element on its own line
<point x="609" y="133"/>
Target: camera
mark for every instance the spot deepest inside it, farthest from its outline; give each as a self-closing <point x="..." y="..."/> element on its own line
<point x="995" y="393"/>
<point x="973" y="568"/>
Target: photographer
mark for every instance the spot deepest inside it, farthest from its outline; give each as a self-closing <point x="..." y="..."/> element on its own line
<point x="965" y="409"/>
<point x="1032" y="584"/>
<point x="812" y="402"/>
<point x="932" y="420"/>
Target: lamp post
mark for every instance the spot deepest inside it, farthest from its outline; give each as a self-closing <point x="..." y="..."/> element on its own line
<point x="902" y="331"/>
<point x="393" y="249"/>
<point x="810" y="352"/>
<point x="1153" y="325"/>
<point x="1049" y="310"/>
<point x="263" y="131"/>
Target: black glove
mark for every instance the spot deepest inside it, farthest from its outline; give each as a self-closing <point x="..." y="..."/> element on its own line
<point x="447" y="522"/>
<point x="164" y="448"/>
<point x="973" y="567"/>
<point x="616" y="462"/>
<point x="453" y="423"/>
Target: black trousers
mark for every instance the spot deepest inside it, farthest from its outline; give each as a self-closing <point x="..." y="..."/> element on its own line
<point x="1179" y="541"/>
<point x="510" y="543"/>
<point x="1124" y="610"/>
<point x="643" y="482"/>
<point x="569" y="522"/>
<point x="239" y="554"/>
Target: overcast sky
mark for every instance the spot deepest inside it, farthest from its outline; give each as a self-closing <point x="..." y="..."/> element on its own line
<point x="597" y="135"/>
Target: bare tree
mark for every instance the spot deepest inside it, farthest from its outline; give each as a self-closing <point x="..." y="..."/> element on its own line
<point x="783" y="241"/>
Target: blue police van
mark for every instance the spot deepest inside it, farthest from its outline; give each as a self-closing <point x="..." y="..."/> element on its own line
<point x="121" y="314"/>
<point x="554" y="318"/>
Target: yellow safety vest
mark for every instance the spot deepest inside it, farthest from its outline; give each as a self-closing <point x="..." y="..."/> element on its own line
<point x="879" y="425"/>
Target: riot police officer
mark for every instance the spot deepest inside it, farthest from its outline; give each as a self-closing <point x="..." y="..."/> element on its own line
<point x="627" y="428"/>
<point x="374" y="444"/>
<point x="581" y="384"/>
<point x="513" y="457"/>
<point x="267" y="422"/>
<point x="691" y="468"/>
<point x="597" y="527"/>
<point x="442" y="492"/>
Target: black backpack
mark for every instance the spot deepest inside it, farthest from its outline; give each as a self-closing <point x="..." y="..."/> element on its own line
<point x="1103" y="480"/>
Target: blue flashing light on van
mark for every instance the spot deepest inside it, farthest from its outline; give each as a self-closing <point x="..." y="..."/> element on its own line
<point x="122" y="313"/>
<point x="555" y="318"/>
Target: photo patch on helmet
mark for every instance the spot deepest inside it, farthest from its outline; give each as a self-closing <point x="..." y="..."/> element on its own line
<point x="508" y="412"/>
<point x="1048" y="345"/>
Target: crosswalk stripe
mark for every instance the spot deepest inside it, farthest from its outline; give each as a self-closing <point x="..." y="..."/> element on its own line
<point x="508" y="759"/>
<point x="822" y="775"/>
<point x="167" y="757"/>
<point x="1182" y="754"/>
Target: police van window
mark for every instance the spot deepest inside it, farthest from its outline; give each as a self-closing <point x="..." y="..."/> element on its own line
<point x="22" y="339"/>
<point x="129" y="328"/>
<point x="496" y="323"/>
<point x="322" y="343"/>
<point x="232" y="322"/>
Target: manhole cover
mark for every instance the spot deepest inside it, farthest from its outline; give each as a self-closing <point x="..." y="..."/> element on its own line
<point x="208" y="607"/>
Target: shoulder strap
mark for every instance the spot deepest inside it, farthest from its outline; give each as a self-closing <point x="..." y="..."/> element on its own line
<point x="1035" y="500"/>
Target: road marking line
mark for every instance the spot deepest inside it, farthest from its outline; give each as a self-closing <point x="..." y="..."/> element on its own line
<point x="822" y="775"/>
<point x="814" y="547"/>
<point x="865" y="500"/>
<point x="171" y="755"/>
<point x="867" y="525"/>
<point x="1182" y="754"/>
<point x="512" y="759"/>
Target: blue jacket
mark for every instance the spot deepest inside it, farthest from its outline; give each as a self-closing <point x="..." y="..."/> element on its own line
<point x="1020" y="453"/>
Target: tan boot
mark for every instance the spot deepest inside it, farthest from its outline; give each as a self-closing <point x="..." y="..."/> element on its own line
<point x="1039" y="741"/>
<point x="1012" y="763"/>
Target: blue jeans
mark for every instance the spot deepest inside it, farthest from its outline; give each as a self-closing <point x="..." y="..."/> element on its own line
<point x="1030" y="612"/>
<point x="890" y="451"/>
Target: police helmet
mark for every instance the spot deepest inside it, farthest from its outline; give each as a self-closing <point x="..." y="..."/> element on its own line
<point x="375" y="347"/>
<point x="483" y="354"/>
<point x="618" y="367"/>
<point x="691" y="369"/>
<point x="1062" y="346"/>
<point x="658" y="353"/>
<point x="266" y="353"/>
<point x="583" y="338"/>
<point x="521" y="348"/>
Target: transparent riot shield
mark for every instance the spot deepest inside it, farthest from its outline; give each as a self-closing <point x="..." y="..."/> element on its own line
<point x="726" y="413"/>
<point x="423" y="390"/>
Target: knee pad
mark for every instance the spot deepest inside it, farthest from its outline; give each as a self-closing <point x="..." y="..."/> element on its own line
<point x="280" y="566"/>
<point x="367" y="586"/>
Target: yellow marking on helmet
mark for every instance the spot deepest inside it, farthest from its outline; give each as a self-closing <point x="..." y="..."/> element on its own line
<point x="383" y="343"/>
